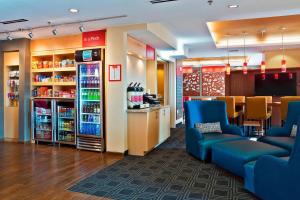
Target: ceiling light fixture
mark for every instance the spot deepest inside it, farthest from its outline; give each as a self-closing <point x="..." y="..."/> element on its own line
<point x="81" y="28"/>
<point x="30" y="35"/>
<point x="9" y="37"/>
<point x="54" y="31"/>
<point x="73" y="10"/>
<point x="245" y="65"/>
<point x="210" y="2"/>
<point x="233" y="6"/>
<point x="228" y="68"/>
<point x="283" y="61"/>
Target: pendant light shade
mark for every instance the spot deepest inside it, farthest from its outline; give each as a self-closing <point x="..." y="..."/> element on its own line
<point x="245" y="68"/>
<point x="263" y="67"/>
<point x="228" y="69"/>
<point x="283" y="61"/>
<point x="283" y="65"/>
<point x="245" y="65"/>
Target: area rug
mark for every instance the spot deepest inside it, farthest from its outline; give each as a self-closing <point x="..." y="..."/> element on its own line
<point x="167" y="173"/>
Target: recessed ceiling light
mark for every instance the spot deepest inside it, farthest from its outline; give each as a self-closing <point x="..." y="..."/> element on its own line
<point x="233" y="6"/>
<point x="73" y="10"/>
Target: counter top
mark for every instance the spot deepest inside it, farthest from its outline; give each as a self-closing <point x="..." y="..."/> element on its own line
<point x="145" y="110"/>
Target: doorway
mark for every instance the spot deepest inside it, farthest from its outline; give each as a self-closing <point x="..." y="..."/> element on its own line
<point x="163" y="82"/>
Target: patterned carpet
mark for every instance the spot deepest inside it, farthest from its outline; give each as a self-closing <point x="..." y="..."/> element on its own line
<point x="167" y="173"/>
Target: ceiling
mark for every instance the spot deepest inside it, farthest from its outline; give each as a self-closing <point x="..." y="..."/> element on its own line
<point x="186" y="19"/>
<point x="257" y="32"/>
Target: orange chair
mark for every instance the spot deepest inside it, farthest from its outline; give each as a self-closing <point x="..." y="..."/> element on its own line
<point x="257" y="110"/>
<point x="284" y="105"/>
<point x="239" y="103"/>
<point x="230" y="104"/>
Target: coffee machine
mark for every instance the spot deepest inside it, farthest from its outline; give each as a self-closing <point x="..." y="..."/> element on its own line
<point x="151" y="99"/>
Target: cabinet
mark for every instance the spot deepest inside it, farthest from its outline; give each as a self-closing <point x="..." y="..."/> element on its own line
<point x="164" y="124"/>
<point x="147" y="128"/>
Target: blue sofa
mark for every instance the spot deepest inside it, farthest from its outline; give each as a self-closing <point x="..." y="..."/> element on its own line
<point x="199" y="144"/>
<point x="276" y="178"/>
<point x="281" y="136"/>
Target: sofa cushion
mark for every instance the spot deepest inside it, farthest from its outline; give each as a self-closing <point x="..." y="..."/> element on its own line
<point x="234" y="154"/>
<point x="249" y="174"/>
<point x="294" y="131"/>
<point x="284" y="142"/>
<point x="212" y="138"/>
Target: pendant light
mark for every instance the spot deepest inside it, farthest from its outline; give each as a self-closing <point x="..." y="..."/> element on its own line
<point x="283" y="61"/>
<point x="263" y="62"/>
<point x="245" y="65"/>
<point x="228" y="67"/>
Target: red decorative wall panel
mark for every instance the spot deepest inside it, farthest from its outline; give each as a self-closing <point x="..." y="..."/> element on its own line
<point x="213" y="83"/>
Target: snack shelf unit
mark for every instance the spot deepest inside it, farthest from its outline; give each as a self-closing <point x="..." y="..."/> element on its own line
<point x="53" y="74"/>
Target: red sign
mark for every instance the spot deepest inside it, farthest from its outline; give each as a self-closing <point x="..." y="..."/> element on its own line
<point x="187" y="70"/>
<point x="150" y="52"/>
<point x="94" y="38"/>
<point x="115" y="72"/>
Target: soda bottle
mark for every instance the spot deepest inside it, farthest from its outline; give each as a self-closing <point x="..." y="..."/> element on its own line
<point x="98" y="129"/>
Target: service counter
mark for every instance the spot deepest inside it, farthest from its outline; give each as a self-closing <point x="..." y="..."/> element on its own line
<point x="147" y="128"/>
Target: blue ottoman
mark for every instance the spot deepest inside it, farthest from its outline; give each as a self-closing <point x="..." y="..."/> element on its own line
<point x="232" y="156"/>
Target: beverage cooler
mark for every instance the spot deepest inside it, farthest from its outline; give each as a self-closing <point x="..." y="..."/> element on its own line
<point x="66" y="122"/>
<point x="53" y="121"/>
<point x="43" y="118"/>
<point x="90" y="100"/>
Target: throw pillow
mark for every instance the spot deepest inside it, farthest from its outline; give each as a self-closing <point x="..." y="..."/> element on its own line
<point x="294" y="131"/>
<point x="209" y="127"/>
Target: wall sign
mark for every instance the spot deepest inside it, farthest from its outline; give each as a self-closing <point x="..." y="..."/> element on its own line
<point x="94" y="38"/>
<point x="150" y="52"/>
<point x="115" y="72"/>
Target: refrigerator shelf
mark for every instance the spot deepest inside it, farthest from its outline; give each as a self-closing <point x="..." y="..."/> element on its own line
<point x="37" y="122"/>
<point x="67" y="130"/>
<point x="89" y="75"/>
<point x="46" y="130"/>
<point x="91" y="88"/>
<point x="90" y="100"/>
<point x="90" y="114"/>
<point x="90" y="122"/>
<point x="70" y="118"/>
<point x="38" y="114"/>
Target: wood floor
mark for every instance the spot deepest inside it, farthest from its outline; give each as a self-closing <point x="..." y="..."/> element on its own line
<point x="29" y="171"/>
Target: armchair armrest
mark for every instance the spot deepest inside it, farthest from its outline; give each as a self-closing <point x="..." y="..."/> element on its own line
<point x="270" y="177"/>
<point x="194" y="134"/>
<point x="230" y="129"/>
<point x="278" y="131"/>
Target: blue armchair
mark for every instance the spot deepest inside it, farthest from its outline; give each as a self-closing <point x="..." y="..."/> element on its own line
<point x="199" y="144"/>
<point x="276" y="178"/>
<point x="281" y="136"/>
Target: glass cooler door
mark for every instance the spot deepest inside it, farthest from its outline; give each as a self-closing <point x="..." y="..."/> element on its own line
<point x="42" y="120"/>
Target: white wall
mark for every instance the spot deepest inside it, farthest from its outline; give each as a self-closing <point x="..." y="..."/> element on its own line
<point x="136" y="70"/>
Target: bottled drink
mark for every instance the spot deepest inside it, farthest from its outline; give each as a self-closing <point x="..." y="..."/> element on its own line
<point x="98" y="109"/>
<point x="97" y="129"/>
<point x="95" y="108"/>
